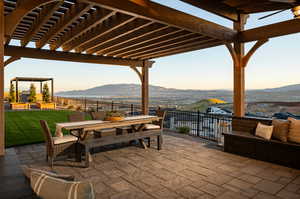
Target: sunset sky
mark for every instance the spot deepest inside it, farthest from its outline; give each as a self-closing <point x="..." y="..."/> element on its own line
<point x="275" y="64"/>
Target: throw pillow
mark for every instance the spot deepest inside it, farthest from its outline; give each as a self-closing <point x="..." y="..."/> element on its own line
<point x="264" y="131"/>
<point x="294" y="130"/>
<point x="48" y="187"/>
<point x="281" y="129"/>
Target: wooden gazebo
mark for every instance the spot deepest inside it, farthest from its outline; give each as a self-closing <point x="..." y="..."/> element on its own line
<point x="131" y="33"/>
<point x="32" y="79"/>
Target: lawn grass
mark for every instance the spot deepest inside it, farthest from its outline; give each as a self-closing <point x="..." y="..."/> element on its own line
<point x="23" y="127"/>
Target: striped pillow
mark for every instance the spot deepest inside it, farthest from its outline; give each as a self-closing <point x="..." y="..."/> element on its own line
<point x="48" y="187"/>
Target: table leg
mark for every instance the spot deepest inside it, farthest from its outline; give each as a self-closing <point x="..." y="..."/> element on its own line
<point x="143" y="143"/>
<point x="78" y="152"/>
<point x="159" y="142"/>
<point x="87" y="155"/>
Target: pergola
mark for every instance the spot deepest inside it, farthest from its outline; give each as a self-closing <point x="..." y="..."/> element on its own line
<point x="32" y="79"/>
<point x="131" y="33"/>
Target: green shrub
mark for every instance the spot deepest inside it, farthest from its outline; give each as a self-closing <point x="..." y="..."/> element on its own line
<point x="32" y="94"/>
<point x="183" y="129"/>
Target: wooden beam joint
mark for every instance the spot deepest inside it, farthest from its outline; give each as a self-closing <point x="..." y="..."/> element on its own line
<point x="11" y="60"/>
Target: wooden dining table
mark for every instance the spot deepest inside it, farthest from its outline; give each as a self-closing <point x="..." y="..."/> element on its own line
<point x="136" y="124"/>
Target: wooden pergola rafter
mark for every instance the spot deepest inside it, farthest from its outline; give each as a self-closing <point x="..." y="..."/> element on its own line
<point x="131" y="33"/>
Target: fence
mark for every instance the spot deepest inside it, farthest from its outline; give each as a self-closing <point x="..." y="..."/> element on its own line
<point x="206" y="126"/>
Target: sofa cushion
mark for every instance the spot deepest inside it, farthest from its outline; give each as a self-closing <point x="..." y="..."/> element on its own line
<point x="280" y="129"/>
<point x="264" y="131"/>
<point x="48" y="187"/>
<point x="294" y="130"/>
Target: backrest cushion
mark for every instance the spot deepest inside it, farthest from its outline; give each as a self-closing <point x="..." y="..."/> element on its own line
<point x="281" y="129"/>
<point x="48" y="187"/>
<point x="294" y="130"/>
<point x="264" y="131"/>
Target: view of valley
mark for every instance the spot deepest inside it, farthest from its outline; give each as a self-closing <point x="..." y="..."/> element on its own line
<point x="262" y="102"/>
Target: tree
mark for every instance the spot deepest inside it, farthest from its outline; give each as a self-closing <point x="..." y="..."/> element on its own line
<point x="12" y="93"/>
<point x="46" y="93"/>
<point x="32" y="93"/>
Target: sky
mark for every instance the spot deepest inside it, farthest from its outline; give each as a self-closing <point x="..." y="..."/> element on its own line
<point x="273" y="65"/>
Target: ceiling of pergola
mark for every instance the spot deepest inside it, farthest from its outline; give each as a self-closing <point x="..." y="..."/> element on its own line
<point x="92" y="29"/>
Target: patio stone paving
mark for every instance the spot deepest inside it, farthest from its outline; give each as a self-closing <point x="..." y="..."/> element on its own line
<point x="187" y="167"/>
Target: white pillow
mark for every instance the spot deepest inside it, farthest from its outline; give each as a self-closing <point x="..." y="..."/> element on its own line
<point x="264" y="131"/>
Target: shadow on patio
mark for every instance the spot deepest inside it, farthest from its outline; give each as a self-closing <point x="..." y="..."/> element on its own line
<point x="187" y="167"/>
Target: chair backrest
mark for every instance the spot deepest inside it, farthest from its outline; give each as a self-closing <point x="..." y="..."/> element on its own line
<point x="100" y="115"/>
<point x="47" y="133"/>
<point x="161" y="114"/>
<point x="76" y="117"/>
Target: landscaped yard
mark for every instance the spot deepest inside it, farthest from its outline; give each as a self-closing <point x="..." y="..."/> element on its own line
<point x="23" y="127"/>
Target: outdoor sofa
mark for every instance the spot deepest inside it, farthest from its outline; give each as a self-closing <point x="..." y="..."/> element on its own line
<point x="242" y="141"/>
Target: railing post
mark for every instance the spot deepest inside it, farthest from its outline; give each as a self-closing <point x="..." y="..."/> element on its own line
<point x="85" y="104"/>
<point x="97" y="106"/>
<point x="131" y="109"/>
<point x="198" y="123"/>
<point x="112" y="105"/>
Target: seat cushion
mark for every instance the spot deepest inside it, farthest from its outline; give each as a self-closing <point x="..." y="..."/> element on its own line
<point x="64" y="139"/>
<point x="48" y="187"/>
<point x="281" y="129"/>
<point x="264" y="131"/>
<point x="294" y="130"/>
<point x="151" y="126"/>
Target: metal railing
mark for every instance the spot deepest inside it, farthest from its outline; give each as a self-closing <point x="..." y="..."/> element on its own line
<point x="206" y="126"/>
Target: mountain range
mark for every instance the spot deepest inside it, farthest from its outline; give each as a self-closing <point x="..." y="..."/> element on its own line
<point x="285" y="93"/>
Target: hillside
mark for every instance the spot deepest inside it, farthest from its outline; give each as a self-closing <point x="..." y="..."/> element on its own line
<point x="182" y="96"/>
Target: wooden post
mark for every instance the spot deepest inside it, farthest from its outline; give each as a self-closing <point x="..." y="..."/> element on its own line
<point x="41" y="87"/>
<point x="239" y="71"/>
<point x="2" y="120"/>
<point x="52" y="90"/>
<point x="145" y="88"/>
<point x="17" y="90"/>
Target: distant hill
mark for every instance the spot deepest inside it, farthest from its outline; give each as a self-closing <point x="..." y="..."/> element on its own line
<point x="134" y="90"/>
<point x="295" y="87"/>
<point x="185" y="96"/>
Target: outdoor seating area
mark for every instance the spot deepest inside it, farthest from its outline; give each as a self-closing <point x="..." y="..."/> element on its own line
<point x="186" y="167"/>
<point x="85" y="135"/>
<point x="113" y="155"/>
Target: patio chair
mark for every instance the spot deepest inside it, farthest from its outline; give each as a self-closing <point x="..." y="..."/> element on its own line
<point x="100" y="115"/>
<point x="76" y="117"/>
<point x="156" y="125"/>
<point x="56" y="145"/>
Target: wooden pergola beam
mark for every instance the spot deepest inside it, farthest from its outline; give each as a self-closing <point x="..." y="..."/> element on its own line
<point x="76" y="11"/>
<point x="67" y="56"/>
<point x="11" y="60"/>
<point x="132" y="45"/>
<point x="127" y="29"/>
<point x="269" y="31"/>
<point x="98" y="31"/>
<point x="184" y="49"/>
<point x="94" y="19"/>
<point x="215" y="7"/>
<point x="178" y="46"/>
<point x="119" y="43"/>
<point x="43" y="18"/>
<point x="23" y="8"/>
<point x="181" y="38"/>
<point x="159" y="13"/>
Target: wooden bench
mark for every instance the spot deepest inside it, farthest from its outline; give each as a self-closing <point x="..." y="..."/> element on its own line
<point x="242" y="141"/>
<point x="19" y="106"/>
<point x="115" y="139"/>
